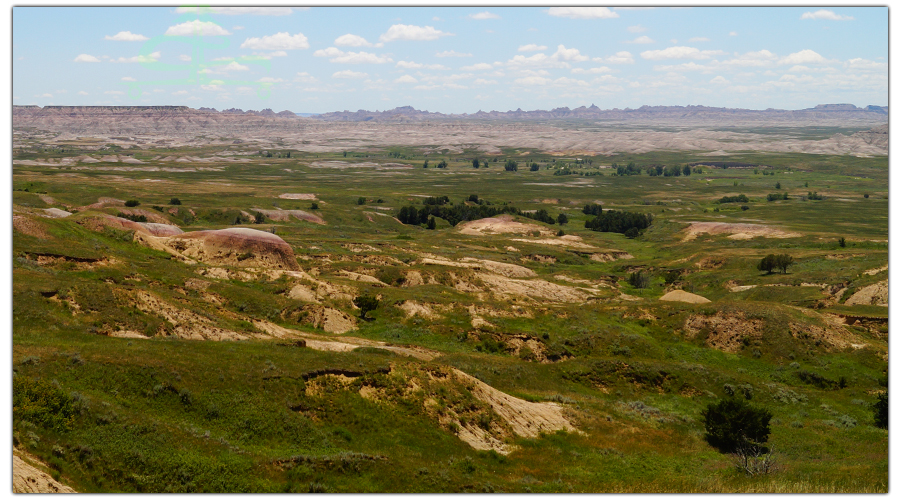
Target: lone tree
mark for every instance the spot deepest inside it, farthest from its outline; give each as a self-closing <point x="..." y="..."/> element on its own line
<point x="365" y="303"/>
<point x="733" y="424"/>
<point x="881" y="411"/>
<point x="562" y="219"/>
<point x="174" y="201"/>
<point x="132" y="203"/>
<point x="476" y="163"/>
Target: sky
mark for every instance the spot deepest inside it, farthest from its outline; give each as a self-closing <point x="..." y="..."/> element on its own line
<point x="450" y="59"/>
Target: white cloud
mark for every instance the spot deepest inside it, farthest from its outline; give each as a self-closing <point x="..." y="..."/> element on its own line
<point x="81" y="92"/>
<point x="180" y="92"/>
<point x="126" y="36"/>
<point x="266" y="55"/>
<point x="591" y="71"/>
<point x="641" y="39"/>
<point x="636" y="29"/>
<point x="349" y="74"/>
<point x="350" y="40"/>
<point x="484" y="15"/>
<point x="139" y="58"/>
<point x="114" y="92"/>
<point x="532" y="80"/>
<point x="531" y="47"/>
<point x="436" y="18"/>
<point x="564" y="54"/>
<point x="304" y="77"/>
<point x="339" y="56"/>
<point x="128" y="79"/>
<point x="224" y="68"/>
<point x="699" y="39"/>
<point x="758" y="58"/>
<point x="825" y="14"/>
<point x="185" y="58"/>
<point x="680" y="53"/>
<point x="415" y="65"/>
<point x="719" y="79"/>
<point x="269" y="79"/>
<point x="237" y="11"/>
<point x="406" y="79"/>
<point x="86" y="58"/>
<point x="805" y="56"/>
<point x="733" y="33"/>
<point x="860" y="63"/>
<point x="623" y="57"/>
<point x="411" y="32"/>
<point x="278" y="41"/>
<point x="689" y="66"/>
<point x="582" y="12"/>
<point x="197" y="28"/>
<point x="482" y="81"/>
<point x="237" y="28"/>
<point x="50" y="96"/>
<point x="536" y="60"/>
<point x="452" y="53"/>
<point x="477" y="67"/>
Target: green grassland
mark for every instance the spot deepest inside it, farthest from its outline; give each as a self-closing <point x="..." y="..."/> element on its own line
<point x="163" y="414"/>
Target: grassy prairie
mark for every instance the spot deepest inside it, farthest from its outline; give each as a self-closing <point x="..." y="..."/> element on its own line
<point x="158" y="413"/>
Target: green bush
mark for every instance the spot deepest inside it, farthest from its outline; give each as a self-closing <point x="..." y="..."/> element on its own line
<point x="174" y="201"/>
<point x="733" y="423"/>
<point x="132" y="203"/>
<point x="42" y="402"/>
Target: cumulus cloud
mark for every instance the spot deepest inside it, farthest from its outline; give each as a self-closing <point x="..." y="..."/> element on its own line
<point x="81" y="92"/>
<point x="641" y="39"/>
<point x="452" y="53"/>
<point x="269" y="79"/>
<point x="350" y="40"/>
<point x="110" y="92"/>
<point x="126" y="36"/>
<point x="278" y="41"/>
<point x="825" y="14"/>
<point x="185" y="58"/>
<point x="415" y="65"/>
<point x="349" y="74"/>
<point x="477" y="67"/>
<point x="689" y="66"/>
<point x="406" y="79"/>
<point x="564" y="54"/>
<point x="805" y="56"/>
<point x="757" y="58"/>
<point x="860" y="63"/>
<point x="623" y="57"/>
<point x="411" y="32"/>
<point x="582" y="12"/>
<point x="484" y="15"/>
<point x="197" y="28"/>
<point x="180" y="92"/>
<point x="532" y="47"/>
<point x="304" y="77"/>
<point x="532" y="80"/>
<point x="339" y="56"/>
<point x="698" y="39"/>
<point x="679" y="52"/>
<point x="482" y="81"/>
<point x="535" y="60"/>
<point x="86" y="58"/>
<point x="139" y="58"/>
<point x="128" y="79"/>
<point x="733" y="33"/>
<point x="238" y="11"/>
<point x="719" y="79"/>
<point x="636" y="29"/>
<point x="591" y="71"/>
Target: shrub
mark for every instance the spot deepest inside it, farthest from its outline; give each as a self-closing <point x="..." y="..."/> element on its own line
<point x="880" y="409"/>
<point x="314" y="206"/>
<point x="732" y="424"/>
<point x="174" y="201"/>
<point x="132" y="203"/>
<point x="361" y="200"/>
<point x="639" y="279"/>
<point x="842" y="242"/>
<point x="42" y="402"/>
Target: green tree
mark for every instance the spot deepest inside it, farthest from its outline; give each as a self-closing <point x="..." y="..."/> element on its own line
<point x="425" y="165"/>
<point x="431" y="224"/>
<point x="361" y="200"/>
<point x="132" y="203"/>
<point x="442" y="164"/>
<point x="476" y="163"/>
<point x="783" y="261"/>
<point x="535" y="167"/>
<point x="174" y="201"/>
<point x="880" y="408"/>
<point x="686" y="170"/>
<point x="511" y="166"/>
<point x="562" y="219"/>
<point x="842" y="242"/>
<point x="777" y="185"/>
<point x="366" y="303"/>
<point x="733" y="423"/>
<point x="767" y="264"/>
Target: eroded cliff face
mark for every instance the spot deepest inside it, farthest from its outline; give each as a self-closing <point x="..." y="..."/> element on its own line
<point x="151" y="120"/>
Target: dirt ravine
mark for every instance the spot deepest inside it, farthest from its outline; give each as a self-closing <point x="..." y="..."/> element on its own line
<point x="28" y="478"/>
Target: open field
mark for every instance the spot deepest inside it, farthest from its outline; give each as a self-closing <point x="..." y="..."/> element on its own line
<point x="506" y="354"/>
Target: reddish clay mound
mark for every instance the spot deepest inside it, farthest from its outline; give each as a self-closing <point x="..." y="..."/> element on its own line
<point x="239" y="246"/>
<point x="151" y="228"/>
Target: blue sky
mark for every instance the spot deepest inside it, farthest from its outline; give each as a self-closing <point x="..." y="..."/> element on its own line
<point x="450" y="59"/>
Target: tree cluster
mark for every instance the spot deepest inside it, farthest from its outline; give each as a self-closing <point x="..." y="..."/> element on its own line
<point x="592" y="209"/>
<point x="772" y="261"/>
<point x="511" y="166"/>
<point x="454" y="214"/>
<point x="777" y="196"/>
<point x="614" y="221"/>
<point x="741" y="198"/>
